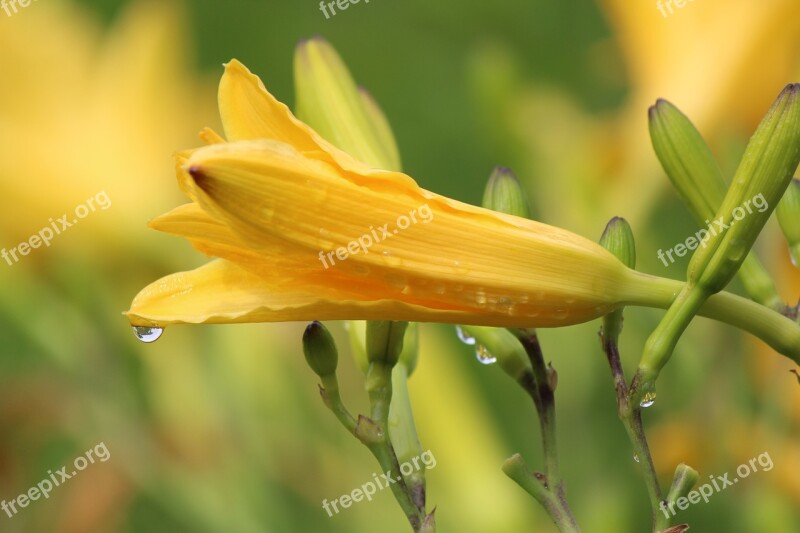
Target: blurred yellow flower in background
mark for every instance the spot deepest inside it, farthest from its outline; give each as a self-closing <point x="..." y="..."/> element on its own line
<point x="88" y="112"/>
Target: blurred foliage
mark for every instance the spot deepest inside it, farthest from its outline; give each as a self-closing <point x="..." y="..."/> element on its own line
<point x="220" y="428"/>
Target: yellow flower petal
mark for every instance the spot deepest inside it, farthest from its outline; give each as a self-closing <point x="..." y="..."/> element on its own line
<point x="455" y="256"/>
<point x="194" y="297"/>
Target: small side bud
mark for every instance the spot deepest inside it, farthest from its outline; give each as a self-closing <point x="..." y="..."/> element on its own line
<point x="618" y="239"/>
<point x="410" y="353"/>
<point x="788" y="212"/>
<point x="682" y="482"/>
<point x="320" y="350"/>
<point x="504" y="194"/>
<point x="504" y="347"/>
<point x="385" y="341"/>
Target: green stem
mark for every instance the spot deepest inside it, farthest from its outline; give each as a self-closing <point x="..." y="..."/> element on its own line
<point x="631" y="417"/>
<point x="538" y="385"/>
<point x="403" y="433"/>
<point x="517" y="470"/>
<point x="758" y="283"/>
<point x="781" y="333"/>
<point x="329" y="391"/>
<point x="379" y="389"/>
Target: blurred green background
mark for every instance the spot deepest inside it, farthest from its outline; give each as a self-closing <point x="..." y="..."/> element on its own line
<point x="220" y="428"/>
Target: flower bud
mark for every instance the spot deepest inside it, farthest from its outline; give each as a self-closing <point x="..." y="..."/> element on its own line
<point x="410" y="353"/>
<point x="686" y="159"/>
<point x="329" y="101"/>
<point x="510" y="355"/>
<point x="504" y="193"/>
<point x="320" y="350"/>
<point x="618" y="239"/>
<point x="385" y="341"/>
<point x="767" y="167"/>
<point x="698" y="179"/>
<point x="788" y="212"/>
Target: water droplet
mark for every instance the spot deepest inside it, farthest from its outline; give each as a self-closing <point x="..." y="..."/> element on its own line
<point x="484" y="356"/>
<point x="396" y="281"/>
<point x="268" y="213"/>
<point x="636" y="458"/>
<point x="147" y="334"/>
<point x="480" y="297"/>
<point x="648" y="399"/>
<point x="465" y="337"/>
<point x="360" y="270"/>
<point x="439" y="288"/>
<point x="560" y="313"/>
<point x="505" y="305"/>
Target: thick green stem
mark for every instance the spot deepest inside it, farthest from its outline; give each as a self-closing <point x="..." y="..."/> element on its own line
<point x="780" y="332"/>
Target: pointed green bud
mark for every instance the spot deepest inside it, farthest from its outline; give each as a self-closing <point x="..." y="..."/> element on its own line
<point x="330" y="102"/>
<point x="504" y="194"/>
<point x="789" y="218"/>
<point x="320" y="350"/>
<point x="698" y="179"/>
<point x="767" y="167"/>
<point x="410" y="353"/>
<point x="503" y="346"/>
<point x="617" y="238"/>
<point x="385" y="341"/>
<point x="682" y="482"/>
<point x="687" y="160"/>
<point x="357" y="331"/>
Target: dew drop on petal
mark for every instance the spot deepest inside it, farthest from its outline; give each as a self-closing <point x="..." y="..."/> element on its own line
<point x="484" y="356"/>
<point x="147" y="334"/>
<point x="465" y="337"/>
<point x="648" y="399"/>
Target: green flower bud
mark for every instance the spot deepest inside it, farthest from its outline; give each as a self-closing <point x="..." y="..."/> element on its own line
<point x="698" y="179"/>
<point x="767" y="167"/>
<point x="682" y="482"/>
<point x="789" y="218"/>
<point x="687" y="160"/>
<point x="320" y="350"/>
<point x="410" y="354"/>
<point x="618" y="239"/>
<point x="504" y="347"/>
<point x="329" y="101"/>
<point x="504" y="194"/>
<point x="357" y="331"/>
<point x="385" y="341"/>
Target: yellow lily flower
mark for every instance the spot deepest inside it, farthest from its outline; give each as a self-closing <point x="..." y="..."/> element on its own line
<point x="277" y="200"/>
<point x="283" y="209"/>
